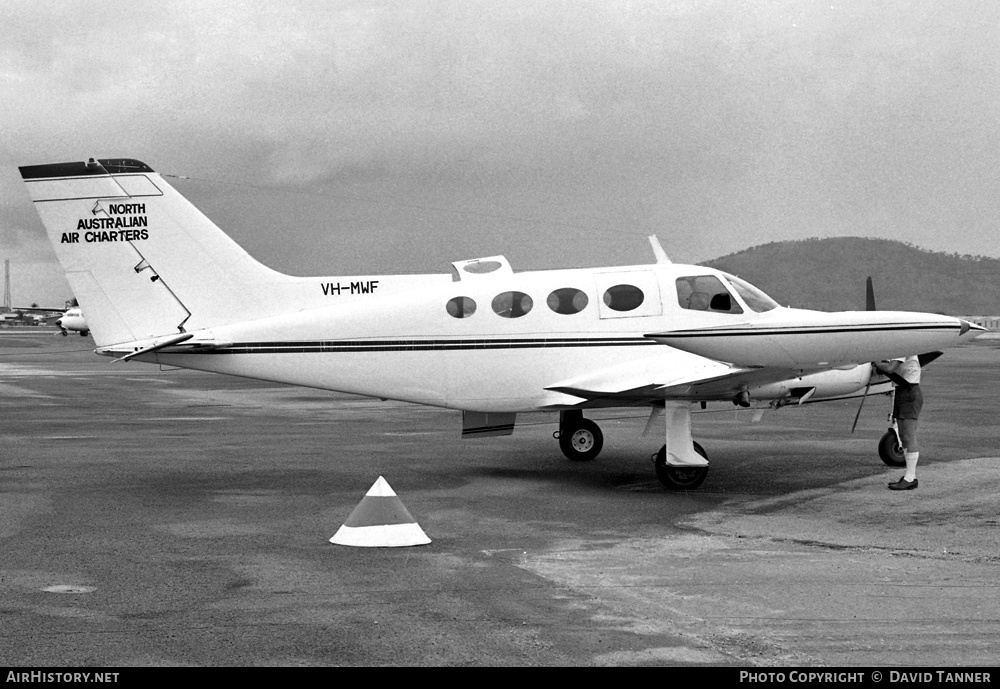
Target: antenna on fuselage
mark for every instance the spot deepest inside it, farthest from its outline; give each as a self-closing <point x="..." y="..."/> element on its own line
<point x="661" y="255"/>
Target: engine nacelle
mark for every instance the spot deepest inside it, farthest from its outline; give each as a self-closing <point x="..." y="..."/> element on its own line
<point x="833" y="383"/>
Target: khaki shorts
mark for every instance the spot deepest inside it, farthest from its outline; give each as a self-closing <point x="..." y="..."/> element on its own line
<point x="907" y="402"/>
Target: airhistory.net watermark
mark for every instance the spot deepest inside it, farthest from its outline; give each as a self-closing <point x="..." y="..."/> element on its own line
<point x="62" y="677"/>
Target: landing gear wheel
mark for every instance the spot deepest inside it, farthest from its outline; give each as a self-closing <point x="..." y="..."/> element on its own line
<point x="889" y="450"/>
<point x="581" y="442"/>
<point x="678" y="477"/>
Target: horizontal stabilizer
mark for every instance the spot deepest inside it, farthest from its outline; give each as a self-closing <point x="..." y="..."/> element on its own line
<point x="176" y="339"/>
<point x="202" y="341"/>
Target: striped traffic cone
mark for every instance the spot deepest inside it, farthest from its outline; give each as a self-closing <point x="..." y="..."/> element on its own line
<point x="380" y="521"/>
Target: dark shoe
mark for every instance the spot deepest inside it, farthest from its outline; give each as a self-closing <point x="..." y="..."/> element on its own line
<point x="903" y="484"/>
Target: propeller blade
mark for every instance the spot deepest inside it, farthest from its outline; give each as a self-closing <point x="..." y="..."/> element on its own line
<point x="869" y="295"/>
<point x="861" y="406"/>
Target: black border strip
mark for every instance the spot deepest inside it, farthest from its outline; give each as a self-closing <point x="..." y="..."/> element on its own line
<point x="346" y="346"/>
<point x="104" y="166"/>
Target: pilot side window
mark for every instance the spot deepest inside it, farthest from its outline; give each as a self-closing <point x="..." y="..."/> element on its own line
<point x="705" y="293"/>
<point x="460" y="307"/>
<point x="512" y="304"/>
<point x="623" y="297"/>
<point x="568" y="300"/>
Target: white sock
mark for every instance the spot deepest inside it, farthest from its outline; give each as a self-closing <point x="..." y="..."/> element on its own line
<point x="911" y="465"/>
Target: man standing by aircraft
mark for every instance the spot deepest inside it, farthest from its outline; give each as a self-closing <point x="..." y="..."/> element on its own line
<point x="907" y="402"/>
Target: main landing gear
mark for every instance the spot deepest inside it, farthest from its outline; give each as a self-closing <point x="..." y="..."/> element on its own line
<point x="681" y="464"/>
<point x="580" y="439"/>
<point x="676" y="477"/>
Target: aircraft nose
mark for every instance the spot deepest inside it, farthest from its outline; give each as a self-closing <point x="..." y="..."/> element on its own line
<point x="970" y="331"/>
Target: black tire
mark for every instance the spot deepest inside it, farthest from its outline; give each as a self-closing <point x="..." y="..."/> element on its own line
<point x="581" y="442"/>
<point x="679" y="478"/>
<point x="889" y="450"/>
<point x="84" y="333"/>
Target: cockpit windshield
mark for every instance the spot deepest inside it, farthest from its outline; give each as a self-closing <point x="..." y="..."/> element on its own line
<point x="751" y="296"/>
<point x="705" y="293"/>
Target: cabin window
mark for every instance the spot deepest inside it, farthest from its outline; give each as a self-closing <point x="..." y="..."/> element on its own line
<point x="705" y="293"/>
<point x="568" y="300"/>
<point x="623" y="297"/>
<point x="512" y="304"/>
<point x="482" y="267"/>
<point x="461" y="307"/>
<point x="752" y="296"/>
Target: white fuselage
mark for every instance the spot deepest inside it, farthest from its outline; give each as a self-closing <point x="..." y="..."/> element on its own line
<point x="409" y="346"/>
<point x="73" y="320"/>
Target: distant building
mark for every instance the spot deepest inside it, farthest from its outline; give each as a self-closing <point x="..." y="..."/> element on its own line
<point x="988" y="322"/>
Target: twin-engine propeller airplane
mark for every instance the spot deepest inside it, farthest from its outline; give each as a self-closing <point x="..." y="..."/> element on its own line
<point x="72" y="320"/>
<point x="161" y="283"/>
<point x="66" y="319"/>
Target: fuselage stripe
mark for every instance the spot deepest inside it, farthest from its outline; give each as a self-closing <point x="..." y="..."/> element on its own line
<point x="419" y="345"/>
<point x="817" y="330"/>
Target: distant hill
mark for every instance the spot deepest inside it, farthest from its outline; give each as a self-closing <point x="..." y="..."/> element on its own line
<point x="829" y="275"/>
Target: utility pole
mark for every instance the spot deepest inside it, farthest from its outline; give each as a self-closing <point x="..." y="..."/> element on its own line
<point x="6" y="286"/>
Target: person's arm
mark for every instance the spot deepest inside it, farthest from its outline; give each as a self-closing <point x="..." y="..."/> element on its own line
<point x="889" y="369"/>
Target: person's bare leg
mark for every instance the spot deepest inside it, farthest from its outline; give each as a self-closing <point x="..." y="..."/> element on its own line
<point x="911" y="450"/>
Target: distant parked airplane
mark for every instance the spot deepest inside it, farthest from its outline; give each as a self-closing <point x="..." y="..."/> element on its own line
<point x="67" y="319"/>
<point x="73" y="320"/>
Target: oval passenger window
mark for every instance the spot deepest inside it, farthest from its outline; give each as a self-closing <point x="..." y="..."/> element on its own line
<point x="623" y="297"/>
<point x="568" y="300"/>
<point x="512" y="304"/>
<point x="461" y="307"/>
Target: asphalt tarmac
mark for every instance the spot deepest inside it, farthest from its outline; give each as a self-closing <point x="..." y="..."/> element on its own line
<point x="177" y="518"/>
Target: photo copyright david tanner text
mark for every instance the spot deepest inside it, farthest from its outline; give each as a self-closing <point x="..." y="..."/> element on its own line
<point x="893" y="676"/>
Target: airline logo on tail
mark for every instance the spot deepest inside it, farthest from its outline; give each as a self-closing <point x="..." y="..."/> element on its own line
<point x="114" y="222"/>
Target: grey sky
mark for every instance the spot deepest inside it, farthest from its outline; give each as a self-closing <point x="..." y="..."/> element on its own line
<point x="379" y="137"/>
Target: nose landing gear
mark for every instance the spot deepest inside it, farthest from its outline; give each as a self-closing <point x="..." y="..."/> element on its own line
<point x="890" y="450"/>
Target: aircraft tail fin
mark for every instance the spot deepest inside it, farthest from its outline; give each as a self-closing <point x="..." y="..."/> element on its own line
<point x="141" y="260"/>
<point x="144" y="262"/>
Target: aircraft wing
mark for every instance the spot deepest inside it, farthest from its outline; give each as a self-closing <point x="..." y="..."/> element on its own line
<point x="39" y="309"/>
<point x="671" y="375"/>
<point x="665" y="377"/>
